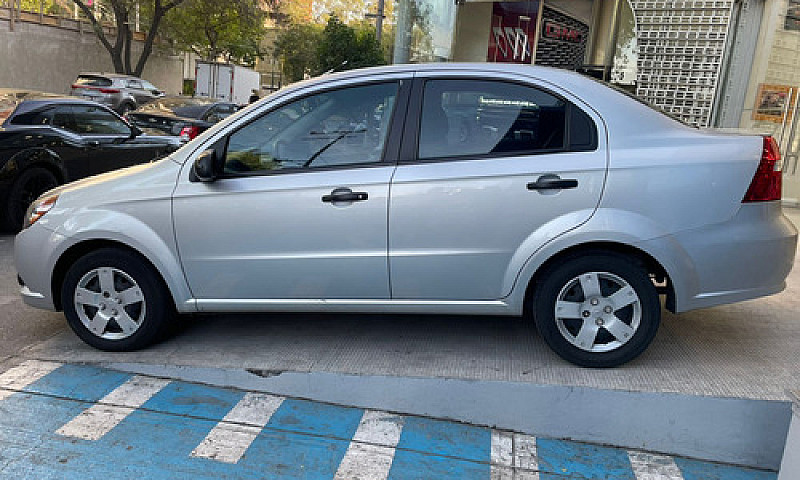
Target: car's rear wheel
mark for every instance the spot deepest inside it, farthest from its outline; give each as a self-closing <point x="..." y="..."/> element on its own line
<point x="597" y="310"/>
<point x="28" y="186"/>
<point x="115" y="301"/>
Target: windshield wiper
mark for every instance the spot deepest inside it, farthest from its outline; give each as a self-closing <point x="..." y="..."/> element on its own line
<point x="330" y="144"/>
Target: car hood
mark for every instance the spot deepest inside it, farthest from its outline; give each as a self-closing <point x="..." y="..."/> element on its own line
<point x="164" y="171"/>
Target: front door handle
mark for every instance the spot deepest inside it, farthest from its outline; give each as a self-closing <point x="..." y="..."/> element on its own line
<point x="552" y="182"/>
<point x="344" y="195"/>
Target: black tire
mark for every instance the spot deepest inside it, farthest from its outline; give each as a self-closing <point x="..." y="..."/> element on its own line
<point x="605" y="333"/>
<point x="28" y="186"/>
<point x="150" y="316"/>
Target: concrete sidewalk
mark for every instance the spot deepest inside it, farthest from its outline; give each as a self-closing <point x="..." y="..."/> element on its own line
<point x="67" y="422"/>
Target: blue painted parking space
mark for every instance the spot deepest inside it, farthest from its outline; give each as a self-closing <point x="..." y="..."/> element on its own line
<point x="70" y="422"/>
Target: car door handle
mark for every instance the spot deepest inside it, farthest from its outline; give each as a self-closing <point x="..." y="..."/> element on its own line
<point x="552" y="182"/>
<point x="93" y="144"/>
<point x="344" y="195"/>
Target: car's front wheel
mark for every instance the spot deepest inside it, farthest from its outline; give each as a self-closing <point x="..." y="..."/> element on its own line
<point x="115" y="301"/>
<point x="597" y="310"/>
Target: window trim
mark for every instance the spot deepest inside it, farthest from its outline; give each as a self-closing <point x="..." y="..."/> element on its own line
<point x="391" y="147"/>
<point x="410" y="151"/>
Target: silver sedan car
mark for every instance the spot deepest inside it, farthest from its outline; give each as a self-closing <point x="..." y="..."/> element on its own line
<point x="442" y="189"/>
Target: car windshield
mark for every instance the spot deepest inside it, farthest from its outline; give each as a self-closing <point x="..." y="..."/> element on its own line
<point x="180" y="106"/>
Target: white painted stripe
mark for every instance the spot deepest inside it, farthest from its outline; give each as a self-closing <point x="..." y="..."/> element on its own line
<point x="99" y="419"/>
<point x="647" y="466"/>
<point x="379" y="428"/>
<point x="230" y="438"/>
<point x="17" y="378"/>
<point x="525" y="452"/>
<point x="502" y="448"/>
<point x="371" y="452"/>
<point x="513" y="456"/>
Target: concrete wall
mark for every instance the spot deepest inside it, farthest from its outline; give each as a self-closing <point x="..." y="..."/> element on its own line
<point x="48" y="58"/>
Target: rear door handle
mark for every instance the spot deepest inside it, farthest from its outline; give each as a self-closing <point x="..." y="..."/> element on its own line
<point x="345" y="195"/>
<point x="552" y="182"/>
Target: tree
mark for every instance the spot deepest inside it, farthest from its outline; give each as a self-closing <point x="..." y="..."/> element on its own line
<point x="343" y="47"/>
<point x="296" y="48"/>
<point x="231" y="29"/>
<point x="122" y="12"/>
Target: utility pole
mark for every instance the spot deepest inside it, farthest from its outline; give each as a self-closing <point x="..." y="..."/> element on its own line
<point x="378" y="20"/>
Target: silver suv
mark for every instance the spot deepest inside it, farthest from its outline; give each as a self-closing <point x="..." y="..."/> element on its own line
<point x="122" y="93"/>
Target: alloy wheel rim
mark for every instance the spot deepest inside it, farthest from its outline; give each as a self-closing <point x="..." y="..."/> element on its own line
<point x="110" y="303"/>
<point x="598" y="312"/>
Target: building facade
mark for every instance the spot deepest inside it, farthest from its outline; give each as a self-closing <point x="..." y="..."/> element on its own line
<point x="712" y="63"/>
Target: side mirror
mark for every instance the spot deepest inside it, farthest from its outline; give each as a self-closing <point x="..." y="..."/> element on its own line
<point x="135" y="131"/>
<point x="205" y="167"/>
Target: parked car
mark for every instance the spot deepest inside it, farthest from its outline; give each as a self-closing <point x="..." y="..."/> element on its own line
<point x="446" y="188"/>
<point x="48" y="140"/>
<point x="122" y="93"/>
<point x="178" y="115"/>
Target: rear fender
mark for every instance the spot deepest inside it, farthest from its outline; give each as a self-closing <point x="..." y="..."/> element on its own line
<point x="606" y="226"/>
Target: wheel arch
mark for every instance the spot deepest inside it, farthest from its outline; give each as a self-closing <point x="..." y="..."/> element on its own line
<point x="36" y="157"/>
<point x="75" y="252"/>
<point x="651" y="265"/>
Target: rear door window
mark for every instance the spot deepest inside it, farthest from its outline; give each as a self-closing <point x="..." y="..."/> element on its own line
<point x="476" y="118"/>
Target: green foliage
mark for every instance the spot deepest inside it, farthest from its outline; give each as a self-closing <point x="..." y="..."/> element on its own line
<point x="296" y="48"/>
<point x="230" y="29"/>
<point x="343" y="47"/>
<point x="306" y="50"/>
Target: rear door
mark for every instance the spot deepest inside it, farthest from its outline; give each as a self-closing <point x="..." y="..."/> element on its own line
<point x="490" y="170"/>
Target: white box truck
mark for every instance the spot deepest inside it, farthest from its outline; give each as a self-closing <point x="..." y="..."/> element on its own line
<point x="225" y="81"/>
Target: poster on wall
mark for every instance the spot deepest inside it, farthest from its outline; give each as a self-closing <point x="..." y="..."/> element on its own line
<point x="513" y="33"/>
<point x="774" y="103"/>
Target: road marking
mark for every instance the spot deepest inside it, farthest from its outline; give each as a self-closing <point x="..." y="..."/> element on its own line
<point x="371" y="452"/>
<point x="101" y="418"/>
<point x="513" y="452"/>
<point x="19" y="377"/>
<point x="231" y="437"/>
<point x="647" y="466"/>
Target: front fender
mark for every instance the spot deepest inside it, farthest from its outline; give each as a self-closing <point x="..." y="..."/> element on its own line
<point x="153" y="240"/>
<point x="31" y="156"/>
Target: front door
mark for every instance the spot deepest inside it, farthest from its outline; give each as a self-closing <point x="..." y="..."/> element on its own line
<point x="108" y="140"/>
<point x="301" y="209"/>
<point x="492" y="170"/>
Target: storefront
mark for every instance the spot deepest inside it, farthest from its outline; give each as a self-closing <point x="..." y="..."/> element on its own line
<point x="713" y="63"/>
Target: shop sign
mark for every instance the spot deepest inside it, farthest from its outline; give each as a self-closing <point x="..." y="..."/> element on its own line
<point x="774" y="103"/>
<point x="557" y="31"/>
<point x="513" y="32"/>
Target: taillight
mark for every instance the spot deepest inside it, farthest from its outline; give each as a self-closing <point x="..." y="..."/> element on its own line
<point x="766" y="184"/>
<point x="108" y="90"/>
<point x="75" y="85"/>
<point x="189" y="132"/>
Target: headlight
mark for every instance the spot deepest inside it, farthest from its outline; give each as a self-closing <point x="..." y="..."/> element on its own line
<point x="38" y="208"/>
